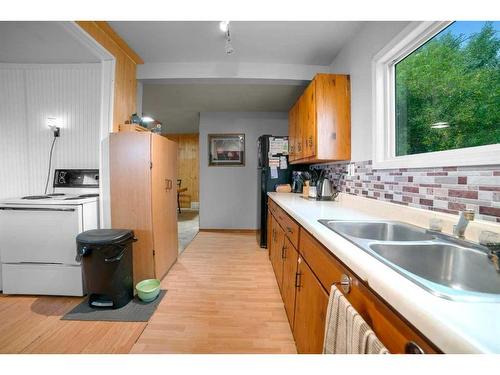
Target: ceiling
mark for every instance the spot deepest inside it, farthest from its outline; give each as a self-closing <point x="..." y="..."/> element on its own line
<point x="280" y="42"/>
<point x="178" y="106"/>
<point x="41" y="42"/>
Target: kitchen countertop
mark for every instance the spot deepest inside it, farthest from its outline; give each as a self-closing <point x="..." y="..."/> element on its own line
<point x="454" y="327"/>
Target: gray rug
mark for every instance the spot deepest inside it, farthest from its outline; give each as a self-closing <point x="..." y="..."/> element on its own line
<point x="134" y="311"/>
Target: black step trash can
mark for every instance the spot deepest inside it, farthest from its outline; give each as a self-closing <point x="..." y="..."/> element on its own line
<point x="106" y="256"/>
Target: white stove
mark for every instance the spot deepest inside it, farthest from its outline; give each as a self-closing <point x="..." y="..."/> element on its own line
<point x="37" y="235"/>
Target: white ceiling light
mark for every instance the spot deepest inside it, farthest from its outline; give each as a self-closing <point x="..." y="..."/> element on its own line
<point x="147" y="119"/>
<point x="224" y="26"/>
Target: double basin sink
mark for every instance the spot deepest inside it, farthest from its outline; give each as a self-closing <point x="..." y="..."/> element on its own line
<point x="443" y="265"/>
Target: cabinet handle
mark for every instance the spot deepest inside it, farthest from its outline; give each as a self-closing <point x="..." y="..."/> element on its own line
<point x="166" y="184"/>
<point x="344" y="283"/>
<point x="283" y="252"/>
<point x="297" y="279"/>
<point x="289" y="230"/>
<point x="310" y="141"/>
<point x="411" y="347"/>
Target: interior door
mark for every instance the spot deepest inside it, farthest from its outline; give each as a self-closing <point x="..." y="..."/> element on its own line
<point x="161" y="212"/>
<point x="290" y="258"/>
<point x="310" y="311"/>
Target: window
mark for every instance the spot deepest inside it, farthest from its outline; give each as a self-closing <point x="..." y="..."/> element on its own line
<point x="437" y="96"/>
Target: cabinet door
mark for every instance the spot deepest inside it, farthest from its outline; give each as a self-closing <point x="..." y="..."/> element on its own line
<point x="292" y="122"/>
<point x="163" y="188"/>
<point x="269" y="231"/>
<point x="290" y="258"/>
<point x="276" y="253"/>
<point x="130" y="155"/>
<point x="173" y="246"/>
<point x="309" y="121"/>
<point x="310" y="311"/>
<point x="299" y="145"/>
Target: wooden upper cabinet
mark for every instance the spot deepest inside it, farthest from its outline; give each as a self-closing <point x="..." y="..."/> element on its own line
<point x="308" y="124"/>
<point x="292" y="121"/>
<point x="320" y="121"/>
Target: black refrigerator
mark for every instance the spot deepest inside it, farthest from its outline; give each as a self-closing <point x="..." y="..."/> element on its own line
<point x="271" y="150"/>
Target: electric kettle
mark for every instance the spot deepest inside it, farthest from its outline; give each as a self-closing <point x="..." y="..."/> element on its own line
<point x="325" y="190"/>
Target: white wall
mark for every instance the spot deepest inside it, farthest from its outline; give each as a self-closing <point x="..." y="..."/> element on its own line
<point x="355" y="58"/>
<point x="28" y="95"/>
<point x="229" y="195"/>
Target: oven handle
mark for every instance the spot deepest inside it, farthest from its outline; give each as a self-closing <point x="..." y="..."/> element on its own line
<point x="37" y="209"/>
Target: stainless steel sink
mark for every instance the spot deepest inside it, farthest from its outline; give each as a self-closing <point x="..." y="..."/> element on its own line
<point x="380" y="231"/>
<point x="453" y="266"/>
<point x="443" y="265"/>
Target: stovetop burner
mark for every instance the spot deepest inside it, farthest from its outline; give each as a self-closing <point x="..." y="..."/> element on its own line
<point x="36" y="197"/>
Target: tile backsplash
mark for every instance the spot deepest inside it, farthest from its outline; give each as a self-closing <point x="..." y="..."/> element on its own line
<point x="445" y="189"/>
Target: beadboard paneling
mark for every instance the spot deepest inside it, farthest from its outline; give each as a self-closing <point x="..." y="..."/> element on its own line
<point x="29" y="94"/>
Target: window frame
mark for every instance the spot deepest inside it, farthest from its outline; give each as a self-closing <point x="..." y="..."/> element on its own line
<point x="383" y="106"/>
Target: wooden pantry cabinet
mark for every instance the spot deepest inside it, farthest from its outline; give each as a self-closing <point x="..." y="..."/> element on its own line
<point x="320" y="121"/>
<point x="143" y="179"/>
<point x="305" y="271"/>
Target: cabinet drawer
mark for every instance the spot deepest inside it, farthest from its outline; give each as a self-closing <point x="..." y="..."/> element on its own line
<point x="272" y="207"/>
<point x="394" y="332"/>
<point x="289" y="225"/>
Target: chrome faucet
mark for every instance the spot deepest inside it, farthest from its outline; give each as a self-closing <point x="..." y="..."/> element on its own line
<point x="463" y="221"/>
<point x="494" y="256"/>
<point x="492" y="241"/>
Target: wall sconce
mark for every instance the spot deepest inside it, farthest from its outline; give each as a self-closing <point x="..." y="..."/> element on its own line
<point x="55" y="125"/>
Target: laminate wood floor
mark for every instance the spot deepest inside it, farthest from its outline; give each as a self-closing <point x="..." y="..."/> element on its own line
<point x="30" y="324"/>
<point x="222" y="298"/>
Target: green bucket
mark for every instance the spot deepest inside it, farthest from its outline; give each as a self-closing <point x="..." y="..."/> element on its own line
<point x="148" y="290"/>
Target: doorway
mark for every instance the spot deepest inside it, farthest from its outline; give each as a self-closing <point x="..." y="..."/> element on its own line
<point x="187" y="186"/>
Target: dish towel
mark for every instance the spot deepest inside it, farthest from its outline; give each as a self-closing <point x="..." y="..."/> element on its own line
<point x="346" y="332"/>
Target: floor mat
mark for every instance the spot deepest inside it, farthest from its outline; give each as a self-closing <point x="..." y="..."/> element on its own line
<point x="134" y="311"/>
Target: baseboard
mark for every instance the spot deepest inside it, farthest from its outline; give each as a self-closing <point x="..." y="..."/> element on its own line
<point x="254" y="231"/>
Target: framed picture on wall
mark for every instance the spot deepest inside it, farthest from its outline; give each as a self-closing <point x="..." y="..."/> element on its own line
<point x="226" y="150"/>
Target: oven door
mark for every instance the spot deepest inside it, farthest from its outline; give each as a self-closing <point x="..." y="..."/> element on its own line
<point x="39" y="234"/>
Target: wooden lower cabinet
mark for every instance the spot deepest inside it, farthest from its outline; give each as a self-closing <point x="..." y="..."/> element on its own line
<point x="310" y="311"/>
<point x="276" y="251"/>
<point x="305" y="277"/>
<point x="288" y="290"/>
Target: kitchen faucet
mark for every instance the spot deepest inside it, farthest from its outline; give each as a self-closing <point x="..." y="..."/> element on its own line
<point x="494" y="256"/>
<point x="492" y="241"/>
<point x="463" y="221"/>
